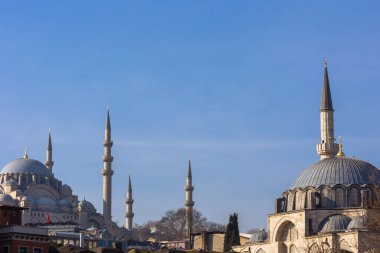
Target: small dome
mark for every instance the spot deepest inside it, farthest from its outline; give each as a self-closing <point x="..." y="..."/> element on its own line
<point x="258" y="236"/>
<point x="338" y="170"/>
<point x="23" y="166"/>
<point x="6" y="199"/>
<point x="66" y="190"/>
<point x="11" y="182"/>
<point x="86" y="206"/>
<point x="334" y="223"/>
<point x="360" y="222"/>
<point x="27" y="199"/>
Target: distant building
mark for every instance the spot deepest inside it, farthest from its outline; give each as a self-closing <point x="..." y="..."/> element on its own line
<point x="214" y="240"/>
<point x="333" y="206"/>
<point x="15" y="238"/>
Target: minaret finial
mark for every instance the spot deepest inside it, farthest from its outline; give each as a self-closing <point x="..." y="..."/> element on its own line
<point x="325" y="62"/>
<point x="340" y="152"/>
<point x="26" y="153"/>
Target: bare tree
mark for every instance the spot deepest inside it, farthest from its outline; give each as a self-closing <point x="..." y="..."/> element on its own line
<point x="172" y="226"/>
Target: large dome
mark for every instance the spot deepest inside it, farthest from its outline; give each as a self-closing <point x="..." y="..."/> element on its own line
<point x="25" y="166"/>
<point x="338" y="170"/>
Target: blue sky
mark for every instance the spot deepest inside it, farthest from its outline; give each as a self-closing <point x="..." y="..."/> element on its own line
<point x="235" y="85"/>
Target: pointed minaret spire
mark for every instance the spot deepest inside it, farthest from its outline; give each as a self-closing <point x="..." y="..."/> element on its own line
<point x="189" y="170"/>
<point x="108" y="126"/>
<point x="327" y="148"/>
<point x="26" y="153"/>
<point x="129" y="204"/>
<point x="107" y="171"/>
<point x="189" y="203"/>
<point x="49" y="154"/>
<point x="326" y="103"/>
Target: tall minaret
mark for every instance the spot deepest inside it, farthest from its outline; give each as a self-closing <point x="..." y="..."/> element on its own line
<point x="189" y="203"/>
<point x="49" y="155"/>
<point x="107" y="171"/>
<point x="129" y="202"/>
<point x="327" y="148"/>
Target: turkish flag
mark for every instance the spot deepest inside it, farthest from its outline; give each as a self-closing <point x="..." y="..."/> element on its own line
<point x="47" y="218"/>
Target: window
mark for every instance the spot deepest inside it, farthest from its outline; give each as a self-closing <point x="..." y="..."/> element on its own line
<point x="22" y="249"/>
<point x="37" y="250"/>
<point x="339" y="198"/>
<point x="5" y="249"/>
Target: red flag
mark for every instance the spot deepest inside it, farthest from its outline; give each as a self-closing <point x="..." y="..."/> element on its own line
<point x="47" y="218"/>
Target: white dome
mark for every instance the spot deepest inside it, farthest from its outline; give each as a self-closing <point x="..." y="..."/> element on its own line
<point x="25" y="166"/>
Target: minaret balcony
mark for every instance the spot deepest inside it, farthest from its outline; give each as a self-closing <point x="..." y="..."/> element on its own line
<point x="107" y="158"/>
<point x="129" y="201"/>
<point x="189" y="188"/>
<point x="189" y="203"/>
<point x="107" y="144"/>
<point x="129" y="215"/>
<point x="107" y="172"/>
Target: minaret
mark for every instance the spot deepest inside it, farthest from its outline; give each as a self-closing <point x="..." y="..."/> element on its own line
<point x="107" y="171"/>
<point x="129" y="202"/>
<point x="49" y="155"/>
<point x="327" y="148"/>
<point x="189" y="203"/>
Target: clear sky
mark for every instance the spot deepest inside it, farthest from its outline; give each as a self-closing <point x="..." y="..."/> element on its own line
<point x="235" y="85"/>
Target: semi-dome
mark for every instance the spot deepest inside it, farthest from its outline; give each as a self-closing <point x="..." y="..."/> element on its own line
<point x="6" y="199"/>
<point x="47" y="203"/>
<point x="23" y="166"/>
<point x="64" y="205"/>
<point x="334" y="223"/>
<point x="360" y="222"/>
<point x="258" y="236"/>
<point x="338" y="170"/>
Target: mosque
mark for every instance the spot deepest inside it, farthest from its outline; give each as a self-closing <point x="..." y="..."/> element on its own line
<point x="333" y="206"/>
<point x="28" y="183"/>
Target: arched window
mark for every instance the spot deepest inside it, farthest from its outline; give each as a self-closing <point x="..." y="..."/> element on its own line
<point x="369" y="197"/>
<point x="289" y="233"/>
<point x="293" y="249"/>
<point x="260" y="251"/>
<point x="355" y="197"/>
<point x="339" y="198"/>
<point x="300" y="200"/>
<point x="325" y="198"/>
<point x="290" y="205"/>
